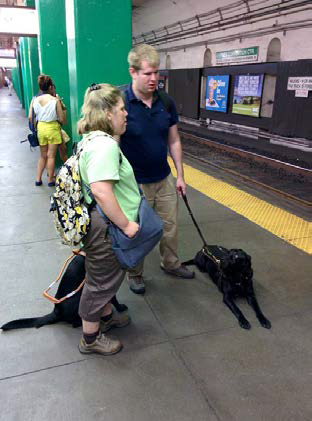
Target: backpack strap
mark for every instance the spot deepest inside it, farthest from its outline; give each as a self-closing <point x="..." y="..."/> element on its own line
<point x="32" y="122"/>
<point x="163" y="96"/>
<point x="165" y="99"/>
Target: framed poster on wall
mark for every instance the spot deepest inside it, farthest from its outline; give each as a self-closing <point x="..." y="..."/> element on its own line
<point x="217" y="93"/>
<point x="247" y="94"/>
<point x="162" y="81"/>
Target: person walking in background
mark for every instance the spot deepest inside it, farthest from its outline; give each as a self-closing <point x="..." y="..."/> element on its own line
<point x="107" y="174"/>
<point x="152" y="131"/>
<point x="49" y="115"/>
<point x="9" y="84"/>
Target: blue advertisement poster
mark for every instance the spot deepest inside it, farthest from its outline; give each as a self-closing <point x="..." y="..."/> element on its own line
<point x="217" y="93"/>
<point x="247" y="95"/>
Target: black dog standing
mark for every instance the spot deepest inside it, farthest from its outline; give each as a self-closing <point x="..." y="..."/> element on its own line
<point x="66" y="311"/>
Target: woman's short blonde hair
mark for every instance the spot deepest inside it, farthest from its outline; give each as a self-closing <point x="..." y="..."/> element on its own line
<point x="98" y="100"/>
<point x="143" y="52"/>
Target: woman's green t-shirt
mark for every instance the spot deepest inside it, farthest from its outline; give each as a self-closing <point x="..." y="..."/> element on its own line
<point x="102" y="160"/>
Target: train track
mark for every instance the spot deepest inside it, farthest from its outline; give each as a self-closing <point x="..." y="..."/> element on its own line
<point x="222" y="149"/>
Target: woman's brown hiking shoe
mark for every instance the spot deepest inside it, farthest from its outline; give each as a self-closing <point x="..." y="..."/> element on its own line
<point x="102" y="345"/>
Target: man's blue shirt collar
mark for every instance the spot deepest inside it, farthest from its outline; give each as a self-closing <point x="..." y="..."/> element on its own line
<point x="130" y="93"/>
<point x="132" y="97"/>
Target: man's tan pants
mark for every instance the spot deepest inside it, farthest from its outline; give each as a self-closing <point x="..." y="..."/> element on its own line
<point x="163" y="199"/>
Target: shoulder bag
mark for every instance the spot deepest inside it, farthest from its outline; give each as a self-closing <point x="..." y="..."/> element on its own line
<point x="131" y="251"/>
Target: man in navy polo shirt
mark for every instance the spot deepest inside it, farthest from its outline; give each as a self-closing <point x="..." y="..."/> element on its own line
<point x="152" y="131"/>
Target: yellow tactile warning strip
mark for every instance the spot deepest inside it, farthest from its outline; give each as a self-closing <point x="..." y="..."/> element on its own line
<point x="279" y="222"/>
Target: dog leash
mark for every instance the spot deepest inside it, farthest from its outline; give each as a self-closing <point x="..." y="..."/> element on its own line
<point x="205" y="249"/>
<point x="193" y="219"/>
<point x="60" y="300"/>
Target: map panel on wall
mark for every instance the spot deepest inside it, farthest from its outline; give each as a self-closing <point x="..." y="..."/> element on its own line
<point x="247" y="94"/>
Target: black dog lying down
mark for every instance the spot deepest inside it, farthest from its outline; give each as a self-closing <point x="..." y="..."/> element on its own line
<point x="231" y="271"/>
<point x="66" y="311"/>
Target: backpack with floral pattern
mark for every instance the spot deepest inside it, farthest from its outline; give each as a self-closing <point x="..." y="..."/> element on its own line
<point x="69" y="209"/>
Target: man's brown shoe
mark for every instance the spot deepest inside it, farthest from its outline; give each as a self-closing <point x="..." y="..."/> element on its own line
<point x="180" y="272"/>
<point x="102" y="345"/>
<point x="117" y="320"/>
<point x="136" y="284"/>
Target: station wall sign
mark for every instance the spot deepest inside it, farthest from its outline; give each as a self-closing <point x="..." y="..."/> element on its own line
<point x="247" y="94"/>
<point x="242" y="55"/>
<point x="7" y="62"/>
<point x="301" y="85"/>
<point x="162" y="81"/>
<point x="7" y="52"/>
<point x="217" y="93"/>
<point x="19" y="21"/>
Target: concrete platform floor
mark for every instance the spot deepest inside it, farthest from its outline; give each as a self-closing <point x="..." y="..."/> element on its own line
<point x="185" y="357"/>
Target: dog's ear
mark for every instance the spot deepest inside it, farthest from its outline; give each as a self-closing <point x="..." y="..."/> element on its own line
<point x="244" y="254"/>
<point x="247" y="258"/>
<point x="239" y="254"/>
<point x="233" y="256"/>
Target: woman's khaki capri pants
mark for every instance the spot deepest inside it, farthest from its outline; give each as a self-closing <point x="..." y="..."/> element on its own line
<point x="103" y="272"/>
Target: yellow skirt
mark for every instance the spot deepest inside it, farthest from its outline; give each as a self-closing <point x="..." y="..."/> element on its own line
<point x="49" y="133"/>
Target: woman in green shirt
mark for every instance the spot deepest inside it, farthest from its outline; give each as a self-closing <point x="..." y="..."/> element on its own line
<point x="107" y="174"/>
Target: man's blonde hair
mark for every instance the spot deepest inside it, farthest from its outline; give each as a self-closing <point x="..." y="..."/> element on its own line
<point x="143" y="52"/>
<point x="98" y="100"/>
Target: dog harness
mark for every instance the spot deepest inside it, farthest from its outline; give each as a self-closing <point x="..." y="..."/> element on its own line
<point x="70" y="294"/>
<point x="211" y="256"/>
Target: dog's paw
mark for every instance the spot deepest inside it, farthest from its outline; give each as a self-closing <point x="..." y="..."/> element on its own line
<point x="265" y="323"/>
<point x="244" y="324"/>
<point x="121" y="307"/>
<point x="77" y="323"/>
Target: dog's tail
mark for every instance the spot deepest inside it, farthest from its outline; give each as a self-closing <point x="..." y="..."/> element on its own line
<point x="188" y="262"/>
<point x="37" y="322"/>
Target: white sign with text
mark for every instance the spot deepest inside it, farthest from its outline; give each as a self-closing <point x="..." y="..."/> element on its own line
<point x="19" y="21"/>
<point x="302" y="93"/>
<point x="297" y="83"/>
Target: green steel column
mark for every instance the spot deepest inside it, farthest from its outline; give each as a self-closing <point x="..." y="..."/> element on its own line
<point x="24" y="67"/>
<point x="20" y="75"/>
<point x="33" y="58"/>
<point x="25" y="72"/>
<point x="15" y="80"/>
<point x="99" y="39"/>
<point x="30" y="3"/>
<point x="30" y="68"/>
<point x="53" y="51"/>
